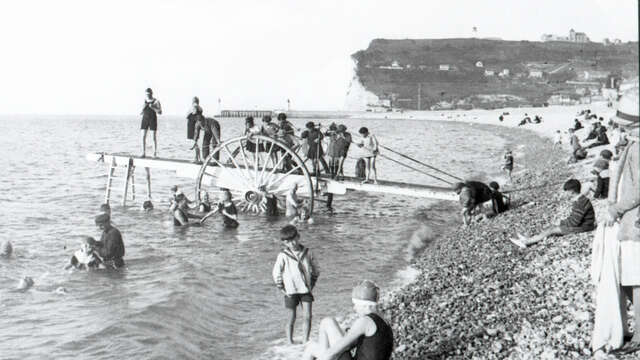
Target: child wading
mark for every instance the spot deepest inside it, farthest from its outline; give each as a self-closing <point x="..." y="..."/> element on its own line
<point x="295" y="274"/>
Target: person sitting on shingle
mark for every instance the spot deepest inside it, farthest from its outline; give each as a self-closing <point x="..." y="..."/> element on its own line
<point x="581" y="219"/>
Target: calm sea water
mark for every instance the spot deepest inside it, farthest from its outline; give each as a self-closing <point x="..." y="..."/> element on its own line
<point x="197" y="292"/>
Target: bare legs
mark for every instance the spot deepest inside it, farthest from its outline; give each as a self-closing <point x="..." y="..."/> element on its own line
<point x="328" y="334"/>
<point x="523" y="242"/>
<point x="144" y="143"/>
<point x="306" y="325"/>
<point x="155" y="143"/>
<point x="371" y="166"/>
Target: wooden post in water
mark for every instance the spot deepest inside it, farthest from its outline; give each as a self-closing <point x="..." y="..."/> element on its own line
<point x="133" y="183"/>
<point x="112" y="169"/>
<point x="126" y="181"/>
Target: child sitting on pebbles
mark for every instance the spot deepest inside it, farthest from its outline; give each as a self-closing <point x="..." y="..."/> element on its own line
<point x="581" y="219"/>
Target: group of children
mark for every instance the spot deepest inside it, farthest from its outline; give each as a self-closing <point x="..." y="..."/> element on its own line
<point x="182" y="212"/>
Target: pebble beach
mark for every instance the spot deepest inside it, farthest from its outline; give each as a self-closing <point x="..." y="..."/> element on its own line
<point x="478" y="296"/>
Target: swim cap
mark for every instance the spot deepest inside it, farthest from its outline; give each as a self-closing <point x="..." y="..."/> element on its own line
<point x="606" y="154"/>
<point x="149" y="91"/>
<point x="494" y="185"/>
<point x="366" y="293"/>
<point x="102" y="219"/>
<point x="282" y="116"/>
<point x="601" y="164"/>
<point x="342" y="128"/>
<point x="174" y="188"/>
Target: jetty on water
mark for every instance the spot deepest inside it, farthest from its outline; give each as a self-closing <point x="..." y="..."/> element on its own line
<point x="228" y="176"/>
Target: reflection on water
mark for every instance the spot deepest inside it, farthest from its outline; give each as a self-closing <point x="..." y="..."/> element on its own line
<point x="201" y="291"/>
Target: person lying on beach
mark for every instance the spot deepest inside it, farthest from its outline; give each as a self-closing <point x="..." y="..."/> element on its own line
<point x="581" y="219"/>
<point x="180" y="211"/>
<point x="369" y="335"/>
<point x="472" y="195"/>
<point x="522" y="122"/>
<point x="85" y="258"/>
<point x="537" y="119"/>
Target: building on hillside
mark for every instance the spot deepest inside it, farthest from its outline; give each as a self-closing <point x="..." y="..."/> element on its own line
<point x="489" y="72"/>
<point x="479" y="64"/>
<point x="394" y="66"/>
<point x="504" y="73"/>
<point x="535" y="74"/>
<point x="617" y="41"/>
<point x="444" y="67"/>
<point x="576" y="37"/>
<point x="606" y="41"/>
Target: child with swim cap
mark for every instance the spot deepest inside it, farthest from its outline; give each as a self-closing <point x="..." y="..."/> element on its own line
<point x="85" y="258"/>
<point x="370" y="335"/>
<point x="295" y="274"/>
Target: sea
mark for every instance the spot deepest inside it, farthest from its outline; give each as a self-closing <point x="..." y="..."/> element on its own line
<point x="198" y="292"/>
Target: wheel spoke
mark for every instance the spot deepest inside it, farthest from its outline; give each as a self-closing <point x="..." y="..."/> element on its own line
<point x="285" y="175"/>
<point x="236" y="164"/>
<point x="257" y="161"/>
<point x="276" y="167"/>
<point x="265" y="163"/>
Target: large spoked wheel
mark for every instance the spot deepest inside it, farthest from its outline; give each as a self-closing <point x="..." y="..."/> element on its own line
<point x="250" y="165"/>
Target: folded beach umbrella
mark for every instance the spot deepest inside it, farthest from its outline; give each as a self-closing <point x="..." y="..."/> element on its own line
<point x="627" y="113"/>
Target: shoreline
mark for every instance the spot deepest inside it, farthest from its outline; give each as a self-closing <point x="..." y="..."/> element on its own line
<point x="479" y="296"/>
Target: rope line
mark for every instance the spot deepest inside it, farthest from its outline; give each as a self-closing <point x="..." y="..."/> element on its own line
<point x="418" y="170"/>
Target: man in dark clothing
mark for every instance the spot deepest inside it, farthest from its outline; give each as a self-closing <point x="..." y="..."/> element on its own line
<point x="577" y="124"/>
<point x="211" y="137"/>
<point x="593" y="133"/>
<point x="472" y="195"/>
<point x="499" y="202"/>
<point x="110" y="247"/>
<point x="581" y="219"/>
<point x="601" y="138"/>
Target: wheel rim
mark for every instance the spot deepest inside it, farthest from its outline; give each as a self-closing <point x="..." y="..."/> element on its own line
<point x="233" y="166"/>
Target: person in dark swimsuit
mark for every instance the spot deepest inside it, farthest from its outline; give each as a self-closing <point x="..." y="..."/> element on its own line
<point x="228" y="210"/>
<point x="150" y="112"/>
<point x="211" y="137"/>
<point x="370" y="335"/>
<point x="193" y="116"/>
<point x="180" y="212"/>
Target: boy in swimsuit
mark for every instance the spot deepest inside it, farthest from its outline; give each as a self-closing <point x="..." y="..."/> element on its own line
<point x="370" y="335"/>
<point x="150" y="112"/>
<point x="508" y="163"/>
<point x="295" y="274"/>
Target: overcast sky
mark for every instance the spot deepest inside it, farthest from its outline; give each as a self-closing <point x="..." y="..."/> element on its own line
<point x="97" y="57"/>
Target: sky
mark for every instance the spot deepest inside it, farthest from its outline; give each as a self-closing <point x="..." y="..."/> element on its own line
<point x="98" y="57"/>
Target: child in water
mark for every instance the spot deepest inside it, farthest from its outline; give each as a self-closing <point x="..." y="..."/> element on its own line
<point x="295" y="274"/>
<point x="85" y="258"/>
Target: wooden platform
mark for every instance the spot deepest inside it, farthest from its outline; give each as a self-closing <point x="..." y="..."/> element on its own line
<point x="188" y="169"/>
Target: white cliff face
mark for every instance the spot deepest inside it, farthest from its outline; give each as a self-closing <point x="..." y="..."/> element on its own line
<point x="357" y="96"/>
